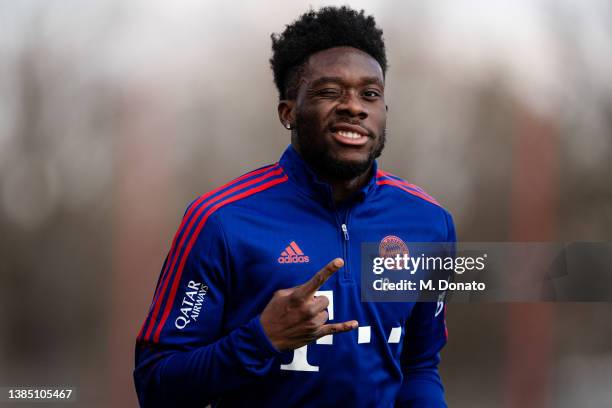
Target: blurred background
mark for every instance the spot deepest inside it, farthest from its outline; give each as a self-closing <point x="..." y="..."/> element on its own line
<point x="116" y="114"/>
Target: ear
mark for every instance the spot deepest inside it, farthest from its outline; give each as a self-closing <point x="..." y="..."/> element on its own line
<point x="285" y="112"/>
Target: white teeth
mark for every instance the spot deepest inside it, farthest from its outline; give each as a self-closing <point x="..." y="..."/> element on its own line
<point x="349" y="135"/>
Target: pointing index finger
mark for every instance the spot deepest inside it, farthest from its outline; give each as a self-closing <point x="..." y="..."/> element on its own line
<point x="309" y="288"/>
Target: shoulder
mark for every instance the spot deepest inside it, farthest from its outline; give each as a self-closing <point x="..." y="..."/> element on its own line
<point x="404" y="188"/>
<point x="245" y="187"/>
<point x="202" y="221"/>
<point x="408" y="193"/>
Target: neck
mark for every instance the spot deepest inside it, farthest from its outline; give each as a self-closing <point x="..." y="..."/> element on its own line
<point x="343" y="189"/>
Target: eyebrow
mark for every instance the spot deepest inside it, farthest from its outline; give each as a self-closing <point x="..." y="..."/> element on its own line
<point x="339" y="80"/>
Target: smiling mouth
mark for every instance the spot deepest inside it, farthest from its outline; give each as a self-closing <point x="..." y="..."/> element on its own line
<point x="349" y="138"/>
<point x="350" y="135"/>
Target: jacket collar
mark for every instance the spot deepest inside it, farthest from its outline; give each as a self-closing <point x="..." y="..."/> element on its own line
<point x="307" y="181"/>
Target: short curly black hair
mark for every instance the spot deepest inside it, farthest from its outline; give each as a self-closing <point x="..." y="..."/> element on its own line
<point x="319" y="30"/>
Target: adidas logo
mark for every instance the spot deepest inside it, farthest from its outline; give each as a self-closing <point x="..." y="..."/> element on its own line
<point x="293" y="254"/>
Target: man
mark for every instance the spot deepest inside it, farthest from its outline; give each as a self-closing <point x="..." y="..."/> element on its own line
<point x="240" y="316"/>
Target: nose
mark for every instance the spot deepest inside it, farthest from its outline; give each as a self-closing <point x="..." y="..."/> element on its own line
<point x="351" y="105"/>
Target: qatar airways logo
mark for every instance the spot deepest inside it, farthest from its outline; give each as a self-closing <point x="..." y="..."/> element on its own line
<point x="191" y="306"/>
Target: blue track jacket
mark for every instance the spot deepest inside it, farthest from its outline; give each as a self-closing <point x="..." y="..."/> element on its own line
<point x="274" y="228"/>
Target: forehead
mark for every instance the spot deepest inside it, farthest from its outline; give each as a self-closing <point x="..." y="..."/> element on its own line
<point x="344" y="62"/>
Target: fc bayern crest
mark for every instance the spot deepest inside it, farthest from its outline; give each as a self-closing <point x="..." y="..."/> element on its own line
<point x="390" y="246"/>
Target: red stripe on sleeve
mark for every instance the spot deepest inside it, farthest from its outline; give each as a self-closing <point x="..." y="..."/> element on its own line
<point x="193" y="239"/>
<point x="382" y="173"/>
<point x="416" y="193"/>
<point x="159" y="293"/>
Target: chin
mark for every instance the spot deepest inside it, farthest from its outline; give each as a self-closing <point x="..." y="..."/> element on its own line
<point x="346" y="169"/>
<point x="352" y="155"/>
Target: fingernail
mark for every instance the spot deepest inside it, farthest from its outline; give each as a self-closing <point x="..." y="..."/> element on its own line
<point x="338" y="262"/>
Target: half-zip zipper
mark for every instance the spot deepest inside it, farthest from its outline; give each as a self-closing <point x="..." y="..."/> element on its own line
<point x="345" y="243"/>
<point x="345" y="230"/>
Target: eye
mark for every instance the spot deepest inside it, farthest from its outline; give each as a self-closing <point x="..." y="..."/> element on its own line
<point x="371" y="94"/>
<point x="328" y="92"/>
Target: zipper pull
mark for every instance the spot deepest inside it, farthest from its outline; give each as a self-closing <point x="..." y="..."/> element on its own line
<point x="345" y="231"/>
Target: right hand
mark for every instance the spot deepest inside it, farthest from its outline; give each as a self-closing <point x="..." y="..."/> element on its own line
<point x="295" y="317"/>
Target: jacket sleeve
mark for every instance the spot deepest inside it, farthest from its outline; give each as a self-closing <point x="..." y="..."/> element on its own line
<point x="426" y="335"/>
<point x="183" y="355"/>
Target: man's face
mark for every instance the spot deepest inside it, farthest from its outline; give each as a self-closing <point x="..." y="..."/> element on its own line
<point x="340" y="112"/>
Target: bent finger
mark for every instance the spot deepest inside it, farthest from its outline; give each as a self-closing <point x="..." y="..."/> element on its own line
<point x="337" y="328"/>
